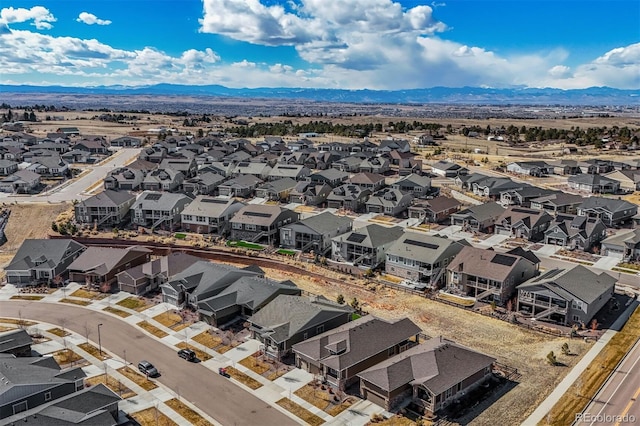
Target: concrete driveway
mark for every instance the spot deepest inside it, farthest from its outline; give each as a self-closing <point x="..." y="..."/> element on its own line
<point x="216" y="396"/>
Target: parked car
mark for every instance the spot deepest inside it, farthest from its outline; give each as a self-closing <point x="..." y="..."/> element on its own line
<point x="187" y="354"/>
<point x="148" y="369"/>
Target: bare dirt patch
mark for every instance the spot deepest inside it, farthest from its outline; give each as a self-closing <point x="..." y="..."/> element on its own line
<point x="26" y="297"/>
<point x="66" y="356"/>
<point x="243" y="378"/>
<point x="88" y="294"/>
<point x="152" y="417"/>
<point x="93" y="351"/>
<point x="137" y="378"/>
<point x="58" y="332"/>
<point x="187" y="412"/>
<point x="300" y="412"/>
<point x="116" y="311"/>
<point x="172" y="320"/>
<point x="75" y="302"/>
<point x="202" y="356"/>
<point x="134" y="303"/>
<point x="152" y="329"/>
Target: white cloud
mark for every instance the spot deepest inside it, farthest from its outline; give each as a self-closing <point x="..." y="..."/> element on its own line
<point x="40" y="16"/>
<point x="91" y="19"/>
<point x="560" y="71"/>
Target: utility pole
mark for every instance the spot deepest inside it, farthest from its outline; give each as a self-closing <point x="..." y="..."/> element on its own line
<point x="99" y="341"/>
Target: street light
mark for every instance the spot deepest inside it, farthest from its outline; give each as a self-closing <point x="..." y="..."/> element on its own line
<point x="99" y="341"/>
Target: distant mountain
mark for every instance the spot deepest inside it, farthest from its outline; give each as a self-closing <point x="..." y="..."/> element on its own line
<point x="440" y="95"/>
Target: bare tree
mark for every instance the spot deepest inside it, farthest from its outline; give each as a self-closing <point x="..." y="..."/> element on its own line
<point x="87" y="331"/>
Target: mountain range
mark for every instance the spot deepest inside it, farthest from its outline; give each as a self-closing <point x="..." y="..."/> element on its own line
<point x="435" y="95"/>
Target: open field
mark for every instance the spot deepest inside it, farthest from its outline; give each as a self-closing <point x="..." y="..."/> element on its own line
<point x="512" y="345"/>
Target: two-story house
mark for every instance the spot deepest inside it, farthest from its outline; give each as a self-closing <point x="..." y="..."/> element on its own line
<point x="435" y="210"/>
<point x="416" y="185"/>
<point x="314" y="233"/>
<point x="240" y="186"/>
<point x="624" y="246"/>
<point x="107" y="208"/>
<point x="203" y="184"/>
<point x="162" y="180"/>
<point x="389" y="201"/>
<point x="276" y="190"/>
<point x="575" y="232"/>
<point x="261" y="223"/>
<point x="210" y="215"/>
<point x="480" y="218"/>
<point x="159" y="209"/>
<point x="309" y="193"/>
<point x="594" y="184"/>
<point x="348" y="197"/>
<point x="519" y="222"/>
<point x="366" y="180"/>
<point x="611" y="211"/>
<point x="365" y="247"/>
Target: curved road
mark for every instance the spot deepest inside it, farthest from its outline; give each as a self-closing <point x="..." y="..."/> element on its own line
<point x="218" y="397"/>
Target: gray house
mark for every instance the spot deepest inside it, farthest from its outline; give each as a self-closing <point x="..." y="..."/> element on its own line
<point x="240" y="186"/>
<point x="389" y="201"/>
<point x="163" y="180"/>
<point x="530" y="168"/>
<point x="288" y="320"/>
<point x="416" y="185"/>
<point x="487" y="275"/>
<point x="479" y="218"/>
<point x="348" y="197"/>
<point x="518" y="222"/>
<point x="624" y="246"/>
<point x="108" y="208"/>
<point x="15" y="342"/>
<point x="447" y="169"/>
<point x="210" y="215"/>
<point x="422" y="258"/>
<point x="566" y="296"/>
<point x="338" y="355"/>
<point x="40" y="261"/>
<point x="293" y="171"/>
<point x="365" y="247"/>
<point x="366" y="180"/>
<point x="309" y="193"/>
<point x="611" y="211"/>
<point x="205" y="183"/>
<point x="575" y="232"/>
<point x="150" y="275"/>
<point x="433" y="375"/>
<point x="276" y="190"/>
<point x="261" y="223"/>
<point x="594" y="184"/>
<point x="21" y="182"/>
<point x="558" y="203"/>
<point x="314" y="233"/>
<point x="126" y="178"/>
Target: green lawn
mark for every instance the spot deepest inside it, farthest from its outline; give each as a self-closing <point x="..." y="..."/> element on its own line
<point x="286" y="252"/>
<point x="180" y="236"/>
<point x="244" y="244"/>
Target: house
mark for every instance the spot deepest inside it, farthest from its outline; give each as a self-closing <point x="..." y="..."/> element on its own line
<point x="314" y="233"/>
<point x="432" y="375"/>
<point x="78" y="156"/>
<point x="210" y="215"/>
<point x="41" y="261"/>
<point x="288" y="320"/>
<point x="349" y="164"/>
<point x="447" y="169"/>
<point x="126" y="142"/>
<point x="365" y="247"/>
<point x="629" y="180"/>
<point x="487" y="275"/>
<point x="259" y="170"/>
<point x="575" y="232"/>
<point x="107" y="208"/>
<point x="558" y="203"/>
<point x="321" y="160"/>
<point x="21" y="182"/>
<point x="339" y="354"/>
<point x="492" y="187"/>
<point x="389" y="201"/>
<point x="348" y="197"/>
<point x="276" y="190"/>
<point x="624" y="246"/>
<point x="240" y="186"/>
<point x="594" y="184"/>
<point x="480" y="218"/>
<point x="595" y="166"/>
<point x="435" y="210"/>
<point x="416" y="185"/>
<point x="295" y="172"/>
<point x="309" y="193"/>
<point x="565" y="167"/>
<point x="407" y="166"/>
<point x="162" y="180"/>
<point x="98" y="266"/>
<point x="92" y="146"/>
<point x="566" y="296"/>
<point x="49" y="166"/>
<point x="523" y="196"/>
<point x="223" y="168"/>
<point x="243" y="298"/>
<point x="125" y="178"/>
<point x="391" y="144"/>
<point x="149" y="276"/>
<point x="518" y="222"/>
<point x="202" y="280"/>
<point x="93" y="406"/>
<point x="422" y="258"/>
<point x="8" y="167"/>
<point x="15" y="342"/>
<point x="530" y="168"/>
<point x="331" y="177"/>
<point x="366" y="180"/>
<point x="205" y="183"/>
<point x="68" y="131"/>
<point x="261" y="223"/>
<point x="153" y="209"/>
<point x="29" y="382"/>
<point x="612" y="212"/>
<point x="378" y="165"/>
<point x="187" y="166"/>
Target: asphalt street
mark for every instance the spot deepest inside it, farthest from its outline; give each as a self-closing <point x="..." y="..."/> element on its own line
<point x="617" y="402"/>
<point x="213" y="394"/>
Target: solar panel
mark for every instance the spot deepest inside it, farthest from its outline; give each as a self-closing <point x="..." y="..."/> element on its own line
<point x="501" y="259"/>
<point x="214" y="201"/>
<point x="153" y="197"/>
<point x="356" y="238"/>
<point x="257" y="214"/>
<point x="526" y="211"/>
<point x="422" y="244"/>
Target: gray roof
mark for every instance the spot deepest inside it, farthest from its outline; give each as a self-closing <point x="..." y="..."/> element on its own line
<point x="483" y="212"/>
<point x="258" y="214"/>
<point x="559" y="199"/>
<point x="356" y="341"/>
<point x="630" y="238"/>
<point x="438" y="204"/>
<point x="154" y="200"/>
<point x="324" y="223"/>
<point x="285" y="316"/>
<point x="209" y="206"/>
<point x="486" y="263"/>
<point x="108" y="198"/>
<point x="48" y="252"/>
<point x="102" y="260"/>
<point x="445" y="165"/>
<point x="366" y="178"/>
<point x="414" y="180"/>
<point x="389" y="197"/>
<point x="437" y="365"/>
<point x="374" y="235"/>
<point x="611" y="204"/>
<point x="279" y="185"/>
<point x="577" y="283"/>
<point x="425" y="248"/>
<point x="205" y="277"/>
<point x="171" y="264"/>
<point x="14" y="339"/>
<point x="242" y="181"/>
<point x="591" y="179"/>
<point x="207" y="178"/>
<point x="331" y="174"/>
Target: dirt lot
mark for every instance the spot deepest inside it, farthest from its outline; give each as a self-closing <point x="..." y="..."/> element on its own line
<point x="510" y="344"/>
<point x="28" y="221"/>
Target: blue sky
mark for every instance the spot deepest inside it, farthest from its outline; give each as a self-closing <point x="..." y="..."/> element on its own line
<point x="347" y="44"/>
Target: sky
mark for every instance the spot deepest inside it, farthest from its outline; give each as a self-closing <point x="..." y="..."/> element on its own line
<point x="341" y="44"/>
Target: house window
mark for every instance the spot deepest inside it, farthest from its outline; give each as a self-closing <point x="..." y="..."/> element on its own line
<point x="47" y="396"/>
<point x="19" y="407"/>
<point x="236" y="225"/>
<point x="576" y="318"/>
<point x="249" y="227"/>
<point x="305" y="336"/>
<point x="391" y="351"/>
<point x="320" y="329"/>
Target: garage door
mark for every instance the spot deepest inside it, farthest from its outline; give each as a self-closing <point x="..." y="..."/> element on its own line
<point x="503" y="231"/>
<point x="375" y="398"/>
<point x="614" y="253"/>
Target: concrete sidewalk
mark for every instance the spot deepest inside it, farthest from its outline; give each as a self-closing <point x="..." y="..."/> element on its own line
<point x="545" y="407"/>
